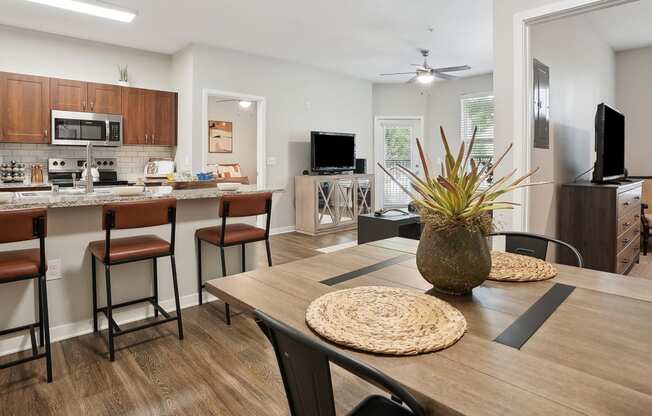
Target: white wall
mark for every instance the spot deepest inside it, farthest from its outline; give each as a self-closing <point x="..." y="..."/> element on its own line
<point x="444" y="109"/>
<point x="182" y="73"/>
<point x="582" y="75"/>
<point x="634" y="99"/>
<point x="244" y="135"/>
<point x="439" y="104"/>
<point x="36" y="53"/>
<point x="299" y="99"/>
<point x="504" y="11"/>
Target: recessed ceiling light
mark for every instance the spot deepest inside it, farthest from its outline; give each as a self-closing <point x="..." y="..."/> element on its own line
<point x="97" y="8"/>
<point x="245" y="104"/>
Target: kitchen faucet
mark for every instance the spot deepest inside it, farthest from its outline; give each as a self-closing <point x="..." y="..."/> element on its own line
<point x="89" y="168"/>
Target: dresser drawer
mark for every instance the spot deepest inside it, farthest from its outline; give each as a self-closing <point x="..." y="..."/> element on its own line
<point x="628" y="236"/>
<point x="628" y="256"/>
<point x="631" y="218"/>
<point x="629" y="200"/>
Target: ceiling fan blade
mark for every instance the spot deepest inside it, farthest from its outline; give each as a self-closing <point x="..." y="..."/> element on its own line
<point x="445" y="76"/>
<point x="399" y="73"/>
<point x="412" y="80"/>
<point x="420" y="67"/>
<point x="453" y="68"/>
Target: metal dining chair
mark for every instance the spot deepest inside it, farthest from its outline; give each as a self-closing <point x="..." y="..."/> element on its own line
<point x="534" y="245"/>
<point x="305" y="369"/>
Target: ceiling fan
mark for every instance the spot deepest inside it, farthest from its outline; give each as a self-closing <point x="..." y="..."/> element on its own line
<point x="425" y="74"/>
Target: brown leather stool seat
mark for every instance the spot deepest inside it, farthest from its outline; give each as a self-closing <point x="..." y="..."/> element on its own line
<point x="131" y="248"/>
<point x="18" y="263"/>
<point x="235" y="233"/>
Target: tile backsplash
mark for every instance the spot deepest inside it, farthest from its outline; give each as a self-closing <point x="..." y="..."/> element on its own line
<point x="131" y="159"/>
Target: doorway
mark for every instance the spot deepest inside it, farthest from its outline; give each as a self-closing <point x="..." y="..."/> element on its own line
<point x="242" y="110"/>
<point x="394" y="146"/>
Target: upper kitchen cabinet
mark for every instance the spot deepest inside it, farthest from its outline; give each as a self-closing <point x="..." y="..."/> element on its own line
<point x="165" y="128"/>
<point x="68" y="95"/>
<point x="134" y="116"/>
<point x="149" y="117"/>
<point x="105" y="98"/>
<point x="24" y="108"/>
<point x="82" y="96"/>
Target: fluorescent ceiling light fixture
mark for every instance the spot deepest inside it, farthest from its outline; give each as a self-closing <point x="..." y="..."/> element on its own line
<point x="425" y="78"/>
<point x="245" y="104"/>
<point x="99" y="9"/>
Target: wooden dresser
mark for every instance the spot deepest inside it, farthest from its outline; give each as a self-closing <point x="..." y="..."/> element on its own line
<point x="603" y="222"/>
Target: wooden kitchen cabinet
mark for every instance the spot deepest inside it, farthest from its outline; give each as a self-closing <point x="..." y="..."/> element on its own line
<point x="134" y="115"/>
<point x="82" y="96"/>
<point x="165" y="129"/>
<point x="105" y="98"/>
<point x="149" y="117"/>
<point x="68" y="95"/>
<point x="24" y="108"/>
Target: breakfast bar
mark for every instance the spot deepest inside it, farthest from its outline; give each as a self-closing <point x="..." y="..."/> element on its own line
<point x="74" y="219"/>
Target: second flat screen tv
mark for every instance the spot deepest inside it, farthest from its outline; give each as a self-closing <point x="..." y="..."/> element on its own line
<point x="609" y="144"/>
<point x="332" y="152"/>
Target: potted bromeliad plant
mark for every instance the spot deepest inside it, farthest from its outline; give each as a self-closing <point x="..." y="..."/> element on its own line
<point x="456" y="207"/>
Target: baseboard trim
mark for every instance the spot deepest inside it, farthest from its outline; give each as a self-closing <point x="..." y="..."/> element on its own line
<point x="282" y="230"/>
<point x="79" y="328"/>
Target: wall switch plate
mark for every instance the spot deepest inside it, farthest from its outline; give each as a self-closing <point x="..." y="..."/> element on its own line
<point x="54" y="269"/>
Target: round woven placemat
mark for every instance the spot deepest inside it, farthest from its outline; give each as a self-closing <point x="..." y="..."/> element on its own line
<point x="510" y="267"/>
<point x="386" y="320"/>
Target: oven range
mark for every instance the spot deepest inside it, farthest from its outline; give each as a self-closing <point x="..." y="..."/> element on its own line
<point x="62" y="171"/>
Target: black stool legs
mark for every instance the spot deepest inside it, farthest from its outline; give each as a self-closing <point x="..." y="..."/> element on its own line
<point x="113" y="329"/>
<point x="176" y="295"/>
<point x="45" y="326"/>
<point x="109" y="311"/>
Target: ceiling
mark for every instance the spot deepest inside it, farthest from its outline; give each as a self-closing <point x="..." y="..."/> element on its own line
<point x="358" y="37"/>
<point x="626" y="26"/>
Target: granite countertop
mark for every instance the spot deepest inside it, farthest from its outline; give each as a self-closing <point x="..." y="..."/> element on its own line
<point x="45" y="199"/>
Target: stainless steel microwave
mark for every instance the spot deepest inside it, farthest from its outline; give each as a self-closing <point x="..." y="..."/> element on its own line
<point x="71" y="128"/>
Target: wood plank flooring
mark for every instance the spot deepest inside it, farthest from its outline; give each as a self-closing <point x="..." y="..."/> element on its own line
<point x="215" y="370"/>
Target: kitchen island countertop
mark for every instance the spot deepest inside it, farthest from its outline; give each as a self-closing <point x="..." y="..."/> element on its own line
<point x="46" y="199"/>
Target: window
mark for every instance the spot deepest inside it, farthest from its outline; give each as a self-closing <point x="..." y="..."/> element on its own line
<point x="478" y="111"/>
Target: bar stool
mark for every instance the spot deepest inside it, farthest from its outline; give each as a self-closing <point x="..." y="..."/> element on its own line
<point x="111" y="252"/>
<point x="17" y="265"/>
<point x="244" y="205"/>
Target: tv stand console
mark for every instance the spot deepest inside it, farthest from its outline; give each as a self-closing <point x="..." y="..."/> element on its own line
<point x="603" y="221"/>
<point x="329" y="203"/>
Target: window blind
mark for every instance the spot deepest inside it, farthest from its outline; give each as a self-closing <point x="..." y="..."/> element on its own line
<point x="478" y="111"/>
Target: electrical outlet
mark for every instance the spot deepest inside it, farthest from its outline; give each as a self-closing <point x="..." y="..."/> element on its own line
<point x="54" y="269"/>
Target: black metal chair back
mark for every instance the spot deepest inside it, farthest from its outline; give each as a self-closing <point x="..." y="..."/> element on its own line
<point x="305" y="369"/>
<point x="534" y="245"/>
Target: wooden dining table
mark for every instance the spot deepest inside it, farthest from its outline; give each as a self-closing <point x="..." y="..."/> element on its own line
<point x="585" y="336"/>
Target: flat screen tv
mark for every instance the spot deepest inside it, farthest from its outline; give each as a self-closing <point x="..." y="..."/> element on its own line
<point x="332" y="152"/>
<point x="609" y="144"/>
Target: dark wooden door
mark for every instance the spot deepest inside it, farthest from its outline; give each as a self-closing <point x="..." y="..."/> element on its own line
<point x="134" y="109"/>
<point x="105" y="98"/>
<point x="68" y="95"/>
<point x="165" y="130"/>
<point x="24" y="108"/>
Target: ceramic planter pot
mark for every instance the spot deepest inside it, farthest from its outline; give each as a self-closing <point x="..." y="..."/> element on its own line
<point x="453" y="261"/>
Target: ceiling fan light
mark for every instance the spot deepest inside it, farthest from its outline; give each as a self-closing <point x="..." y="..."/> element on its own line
<point x="425" y="78"/>
<point x="245" y="104"/>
